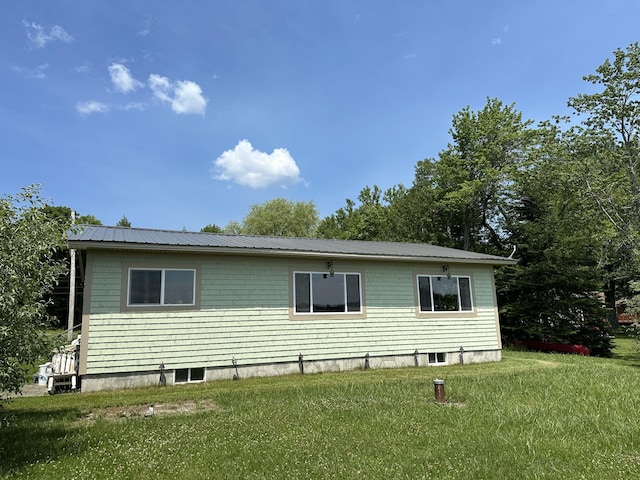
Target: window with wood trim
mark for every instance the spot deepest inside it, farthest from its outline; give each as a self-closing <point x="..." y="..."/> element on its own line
<point x="442" y="293"/>
<point x="327" y="293"/>
<point x="161" y="287"/>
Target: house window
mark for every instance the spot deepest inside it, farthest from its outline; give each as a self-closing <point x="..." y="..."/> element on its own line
<point x="444" y="293"/>
<point x="327" y="293"/>
<point x="185" y="375"/>
<point x="437" y="358"/>
<point x="161" y="286"/>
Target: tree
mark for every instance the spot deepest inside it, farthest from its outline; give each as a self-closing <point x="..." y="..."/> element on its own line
<point x="461" y="198"/>
<point x="617" y="109"/>
<point x="124" y="222"/>
<point x="87" y="220"/>
<point x="233" y="228"/>
<point x="281" y="217"/>
<point x="212" y="228"/>
<point x="370" y="220"/>
<point x="551" y="294"/>
<point x="607" y="149"/>
<point x="29" y="268"/>
<point x="58" y="298"/>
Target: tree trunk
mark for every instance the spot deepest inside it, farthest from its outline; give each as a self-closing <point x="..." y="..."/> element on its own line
<point x="610" y="302"/>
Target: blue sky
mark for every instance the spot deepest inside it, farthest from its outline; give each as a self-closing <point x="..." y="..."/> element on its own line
<point x="182" y="114"/>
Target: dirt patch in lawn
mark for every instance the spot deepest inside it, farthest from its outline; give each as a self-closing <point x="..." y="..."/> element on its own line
<point x="147" y="411"/>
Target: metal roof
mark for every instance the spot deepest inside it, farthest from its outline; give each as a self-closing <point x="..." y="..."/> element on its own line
<point x="124" y="238"/>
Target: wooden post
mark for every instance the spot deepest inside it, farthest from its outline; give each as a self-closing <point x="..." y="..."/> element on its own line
<point x="438" y="390"/>
<point x="72" y="287"/>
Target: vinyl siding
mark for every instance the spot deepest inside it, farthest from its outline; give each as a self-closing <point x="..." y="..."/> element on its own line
<point x="244" y="315"/>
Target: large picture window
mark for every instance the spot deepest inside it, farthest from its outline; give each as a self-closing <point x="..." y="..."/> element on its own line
<point x="444" y="293"/>
<point x="161" y="286"/>
<point x="327" y="293"/>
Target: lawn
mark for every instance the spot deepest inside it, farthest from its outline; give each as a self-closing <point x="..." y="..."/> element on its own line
<point x="531" y="416"/>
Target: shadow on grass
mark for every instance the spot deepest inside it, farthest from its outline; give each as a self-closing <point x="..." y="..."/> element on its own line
<point x="35" y="436"/>
<point x="626" y="350"/>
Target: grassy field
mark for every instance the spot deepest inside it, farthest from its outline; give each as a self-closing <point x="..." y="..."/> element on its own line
<point x="531" y="416"/>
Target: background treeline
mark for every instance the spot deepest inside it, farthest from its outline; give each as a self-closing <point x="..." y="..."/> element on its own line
<point x="562" y="193"/>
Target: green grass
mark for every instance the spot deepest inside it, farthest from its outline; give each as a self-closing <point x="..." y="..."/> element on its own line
<point x="530" y="416"/>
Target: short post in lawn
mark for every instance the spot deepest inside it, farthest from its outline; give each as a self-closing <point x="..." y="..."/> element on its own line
<point x="438" y="390"/>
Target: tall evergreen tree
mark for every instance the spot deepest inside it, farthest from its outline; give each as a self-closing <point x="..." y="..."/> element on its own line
<point x="552" y="293"/>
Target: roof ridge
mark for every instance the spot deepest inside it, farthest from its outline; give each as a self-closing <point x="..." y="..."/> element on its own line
<point x="101" y="236"/>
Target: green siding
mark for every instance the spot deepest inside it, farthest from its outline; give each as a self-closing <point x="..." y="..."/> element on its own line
<point x="244" y="282"/>
<point x="245" y="314"/>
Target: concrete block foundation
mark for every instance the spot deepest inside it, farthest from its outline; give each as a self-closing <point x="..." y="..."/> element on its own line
<point x="122" y="380"/>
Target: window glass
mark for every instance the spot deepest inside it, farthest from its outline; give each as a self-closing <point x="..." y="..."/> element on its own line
<point x="161" y="287"/>
<point x="178" y="287"/>
<point x="181" y="375"/>
<point x="465" y="294"/>
<point x="303" y="292"/>
<point x="144" y="287"/>
<point x="197" y="374"/>
<point x="327" y="293"/>
<point x="439" y="293"/>
<point x="445" y="294"/>
<point x="438" y="357"/>
<point x="353" y="293"/>
<point x="424" y="292"/>
<point x="184" y="375"/>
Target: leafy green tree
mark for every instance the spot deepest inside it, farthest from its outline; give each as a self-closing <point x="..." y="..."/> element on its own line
<point x="233" y="228"/>
<point x="29" y="268"/>
<point x="281" y="217"/>
<point x="617" y="109"/>
<point x="607" y="150"/>
<point x="212" y="228"/>
<point x="469" y="187"/>
<point x="87" y="220"/>
<point x="371" y="219"/>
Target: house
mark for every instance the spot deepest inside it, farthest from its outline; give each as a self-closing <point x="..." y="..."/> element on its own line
<point x="174" y="307"/>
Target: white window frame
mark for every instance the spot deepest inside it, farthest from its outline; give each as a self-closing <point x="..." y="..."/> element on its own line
<point x="445" y="312"/>
<point x="325" y="275"/>
<point x="436" y="358"/>
<point x="189" y="372"/>
<point x="162" y="287"/>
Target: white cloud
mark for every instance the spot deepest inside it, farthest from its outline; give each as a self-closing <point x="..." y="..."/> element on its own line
<point x="252" y="168"/>
<point x="184" y="96"/>
<point x="39" y="72"/>
<point x="91" y="106"/>
<point x="146" y="26"/>
<point x="188" y="98"/>
<point x="498" y="40"/>
<point x="160" y="86"/>
<point x="39" y="37"/>
<point x="135" y="106"/>
<point x="122" y="79"/>
<point x="83" y="68"/>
